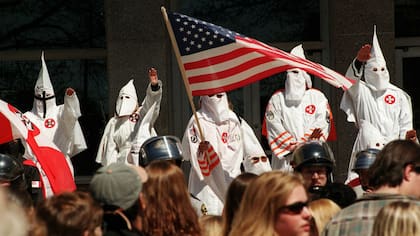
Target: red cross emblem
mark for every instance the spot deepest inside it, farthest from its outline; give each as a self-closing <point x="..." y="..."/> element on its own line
<point x="389" y="99"/>
<point x="224" y="137"/>
<point x="134" y="117"/>
<point x="310" y="109"/>
<point x="49" y="123"/>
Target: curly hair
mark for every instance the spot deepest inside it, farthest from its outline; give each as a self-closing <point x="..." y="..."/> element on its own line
<point x="168" y="207"/>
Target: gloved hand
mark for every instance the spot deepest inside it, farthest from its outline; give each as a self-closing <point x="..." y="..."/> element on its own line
<point x="364" y="53"/>
<point x="69" y="91"/>
<point x="153" y="77"/>
<point x="411" y="135"/>
<point x="316" y="134"/>
<point x="203" y="146"/>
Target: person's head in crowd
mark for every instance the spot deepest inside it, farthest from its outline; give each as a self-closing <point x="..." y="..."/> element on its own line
<point x="211" y="225"/>
<point x="13" y="220"/>
<point x="71" y="213"/>
<point x="396" y="169"/>
<point x="322" y="211"/>
<point x="167" y="148"/>
<point x="274" y="204"/>
<point x="315" y="161"/>
<point x="169" y="210"/>
<point x="364" y="160"/>
<point x="340" y="193"/>
<point x="233" y="199"/>
<point x="11" y="173"/>
<point x="397" y="218"/>
<point x="161" y="148"/>
<point x="117" y="187"/>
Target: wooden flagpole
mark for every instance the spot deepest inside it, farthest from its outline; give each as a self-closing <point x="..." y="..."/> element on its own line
<point x="181" y="68"/>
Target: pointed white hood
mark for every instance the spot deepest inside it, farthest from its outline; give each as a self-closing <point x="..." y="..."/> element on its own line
<point x="127" y="100"/>
<point x="376" y="72"/>
<point x="43" y="91"/>
<point x="297" y="80"/>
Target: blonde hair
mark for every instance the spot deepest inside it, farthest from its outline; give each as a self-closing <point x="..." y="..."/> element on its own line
<point x="397" y="218"/>
<point x="262" y="201"/>
<point x="322" y="211"/>
<point x="211" y="225"/>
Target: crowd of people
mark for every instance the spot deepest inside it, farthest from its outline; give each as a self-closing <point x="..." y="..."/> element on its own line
<point x="231" y="188"/>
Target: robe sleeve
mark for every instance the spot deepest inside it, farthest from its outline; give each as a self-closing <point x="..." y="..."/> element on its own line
<point x="107" y="152"/>
<point x="279" y="139"/>
<point x="151" y="97"/>
<point x="69" y="135"/>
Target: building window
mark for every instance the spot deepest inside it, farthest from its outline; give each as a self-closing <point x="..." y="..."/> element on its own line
<point x="72" y="33"/>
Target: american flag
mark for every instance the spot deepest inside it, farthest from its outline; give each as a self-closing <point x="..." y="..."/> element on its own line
<point x="216" y="59"/>
<point x="208" y="161"/>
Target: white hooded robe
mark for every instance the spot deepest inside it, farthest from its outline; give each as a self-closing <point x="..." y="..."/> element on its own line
<point x="60" y="122"/>
<point x="117" y="139"/>
<point x="225" y="134"/>
<point x="380" y="116"/>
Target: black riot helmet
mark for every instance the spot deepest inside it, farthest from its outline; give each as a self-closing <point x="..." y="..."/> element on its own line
<point x="160" y="148"/>
<point x="313" y="153"/>
<point x="13" y="148"/>
<point x="365" y="158"/>
<point x="11" y="170"/>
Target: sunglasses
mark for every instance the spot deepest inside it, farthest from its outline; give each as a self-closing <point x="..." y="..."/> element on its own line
<point x="295" y="208"/>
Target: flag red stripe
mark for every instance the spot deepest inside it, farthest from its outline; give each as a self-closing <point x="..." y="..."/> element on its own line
<point x="214" y="164"/>
<point x="229" y="72"/>
<point x="312" y="67"/>
<point x="217" y="89"/>
<point x="271" y="55"/>
<point x="212" y="155"/>
<point x="217" y="59"/>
